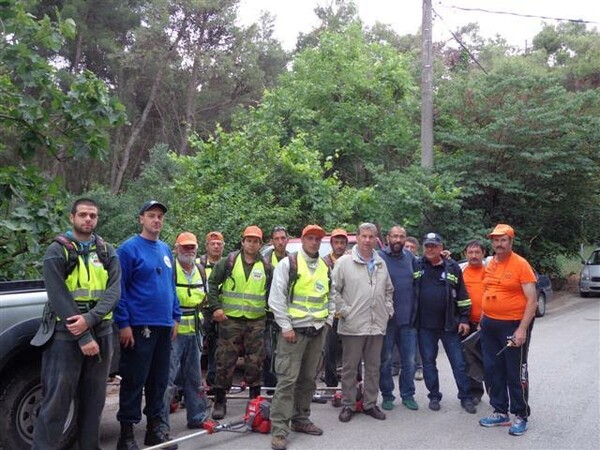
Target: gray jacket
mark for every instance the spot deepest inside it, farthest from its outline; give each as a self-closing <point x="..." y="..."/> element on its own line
<point x="363" y="300"/>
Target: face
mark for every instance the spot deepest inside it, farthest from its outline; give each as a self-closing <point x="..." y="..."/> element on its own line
<point x="251" y="245"/>
<point x="214" y="249"/>
<point x="411" y="247"/>
<point x="279" y="241"/>
<point x="311" y="244"/>
<point x="84" y="220"/>
<point x="186" y="254"/>
<point x="339" y="244"/>
<point x="152" y="221"/>
<point x="502" y="245"/>
<point x="396" y="239"/>
<point x="475" y="256"/>
<point x="366" y="240"/>
<point x="433" y="252"/>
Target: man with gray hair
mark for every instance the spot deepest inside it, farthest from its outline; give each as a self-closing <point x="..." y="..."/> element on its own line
<point x="363" y="297"/>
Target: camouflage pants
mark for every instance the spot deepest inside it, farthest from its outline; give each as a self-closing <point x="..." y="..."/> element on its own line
<point x="240" y="338"/>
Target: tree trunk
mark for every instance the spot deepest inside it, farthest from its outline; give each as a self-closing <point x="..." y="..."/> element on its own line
<point x="190" y="106"/>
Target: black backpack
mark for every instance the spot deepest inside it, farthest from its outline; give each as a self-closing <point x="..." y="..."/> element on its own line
<point x="73" y="252"/>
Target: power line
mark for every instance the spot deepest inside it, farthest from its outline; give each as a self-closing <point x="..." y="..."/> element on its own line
<point x="507" y="13"/>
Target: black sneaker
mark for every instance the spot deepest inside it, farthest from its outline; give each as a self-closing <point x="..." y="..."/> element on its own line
<point x="468" y="406"/>
<point x="346" y="414"/>
<point x="434" y="404"/>
<point x="375" y="413"/>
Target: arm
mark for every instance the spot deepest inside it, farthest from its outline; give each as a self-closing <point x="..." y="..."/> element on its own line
<point x="463" y="303"/>
<point x="60" y="298"/>
<point x="338" y="289"/>
<point x="520" y="334"/>
<point x="278" y="299"/>
<point x="215" y="280"/>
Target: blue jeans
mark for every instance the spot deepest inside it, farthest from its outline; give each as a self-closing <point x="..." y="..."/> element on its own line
<point x="405" y="338"/>
<point x="507" y="374"/>
<point x="428" y="344"/>
<point x="68" y="374"/>
<point x="185" y="359"/>
<point x="145" y="367"/>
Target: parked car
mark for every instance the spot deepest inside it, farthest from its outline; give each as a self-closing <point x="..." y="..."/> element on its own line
<point x="589" y="278"/>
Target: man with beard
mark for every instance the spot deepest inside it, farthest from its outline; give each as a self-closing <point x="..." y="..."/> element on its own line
<point x="509" y="304"/>
<point x="190" y="282"/>
<point x="400" y="329"/>
<point x="76" y="329"/>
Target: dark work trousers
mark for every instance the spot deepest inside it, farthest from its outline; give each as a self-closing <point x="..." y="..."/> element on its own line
<point x="271" y="332"/>
<point x="507" y="374"/>
<point x="67" y="375"/>
<point x="145" y="367"/>
<point x="333" y="351"/>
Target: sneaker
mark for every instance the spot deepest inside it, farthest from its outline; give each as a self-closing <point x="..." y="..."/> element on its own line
<point x="434" y="404"/>
<point x="346" y="414"/>
<point x="387" y="404"/>
<point x="278" y="442"/>
<point x="219" y="411"/>
<point x="307" y="428"/>
<point x="419" y="374"/>
<point x="410" y="403"/>
<point x="375" y="413"/>
<point x="495" y="420"/>
<point x="468" y="406"/>
<point x="518" y="427"/>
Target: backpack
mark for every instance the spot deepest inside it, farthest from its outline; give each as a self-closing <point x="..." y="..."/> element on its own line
<point x="73" y="252"/>
<point x="202" y="272"/>
<point x="231" y="261"/>
<point x="293" y="274"/>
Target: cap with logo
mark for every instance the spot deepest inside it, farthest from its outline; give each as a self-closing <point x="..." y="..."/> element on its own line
<point x="253" y="231"/>
<point x="186" y="238"/>
<point x="501" y="230"/>
<point x="214" y="236"/>
<point x="313" y="230"/>
<point x="432" y="238"/>
<point x="151" y="204"/>
<point x="339" y="232"/>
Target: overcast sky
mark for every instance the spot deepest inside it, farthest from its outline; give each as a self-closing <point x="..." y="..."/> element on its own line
<point x="404" y="16"/>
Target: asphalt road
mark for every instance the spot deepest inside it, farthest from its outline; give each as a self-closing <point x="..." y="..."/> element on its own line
<point x="564" y="399"/>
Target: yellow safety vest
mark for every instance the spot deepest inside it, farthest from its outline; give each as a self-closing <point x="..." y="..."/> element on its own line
<point x="245" y="298"/>
<point x="87" y="282"/>
<point x="190" y="295"/>
<point x="310" y="297"/>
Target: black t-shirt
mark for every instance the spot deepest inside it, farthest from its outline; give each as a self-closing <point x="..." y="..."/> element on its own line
<point x="432" y="301"/>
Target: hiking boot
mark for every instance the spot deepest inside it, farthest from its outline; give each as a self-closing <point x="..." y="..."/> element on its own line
<point x="253" y="392"/>
<point x="476" y="400"/>
<point x="495" y="420"/>
<point x="307" y="428"/>
<point x="346" y="414"/>
<point x="434" y="404"/>
<point x="219" y="410"/>
<point x="518" y="427"/>
<point x="410" y="403"/>
<point x="419" y="374"/>
<point x="127" y="439"/>
<point x="375" y="413"/>
<point x="387" y="404"/>
<point x="468" y="406"/>
<point x="278" y="442"/>
<point x="155" y="435"/>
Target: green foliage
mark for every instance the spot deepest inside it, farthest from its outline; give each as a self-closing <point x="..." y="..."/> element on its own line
<point x="32" y="212"/>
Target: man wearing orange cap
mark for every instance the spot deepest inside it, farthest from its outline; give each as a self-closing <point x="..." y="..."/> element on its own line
<point x="238" y="287"/>
<point x="509" y="304"/>
<point x="190" y="286"/>
<point x="301" y="308"/>
<point x="214" y="246"/>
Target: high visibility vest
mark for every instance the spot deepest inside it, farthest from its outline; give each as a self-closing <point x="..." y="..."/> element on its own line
<point x="190" y="295"/>
<point x="311" y="291"/>
<point x="245" y="298"/>
<point x="87" y="282"/>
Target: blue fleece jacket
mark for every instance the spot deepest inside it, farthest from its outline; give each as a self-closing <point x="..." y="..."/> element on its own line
<point x="401" y="268"/>
<point x="148" y="294"/>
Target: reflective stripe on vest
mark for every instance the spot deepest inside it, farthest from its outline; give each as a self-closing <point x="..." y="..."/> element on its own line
<point x="190" y="295"/>
<point x="87" y="282"/>
<point x="245" y="298"/>
<point x="310" y="291"/>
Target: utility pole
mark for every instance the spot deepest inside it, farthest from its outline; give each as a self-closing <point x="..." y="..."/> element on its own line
<point x="427" y="87"/>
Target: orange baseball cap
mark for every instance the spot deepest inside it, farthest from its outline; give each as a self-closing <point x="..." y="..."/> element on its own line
<point x="214" y="236"/>
<point x="501" y="230"/>
<point x="253" y="231"/>
<point x="314" y="230"/>
<point x="187" y="238"/>
<point x="339" y="232"/>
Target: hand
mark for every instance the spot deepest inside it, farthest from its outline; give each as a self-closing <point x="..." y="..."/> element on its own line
<point x="289" y="336"/>
<point x="126" y="337"/>
<point x="174" y="330"/>
<point x="219" y="315"/>
<point x="519" y="337"/>
<point x="77" y="325"/>
<point x="90" y="349"/>
<point x="463" y="329"/>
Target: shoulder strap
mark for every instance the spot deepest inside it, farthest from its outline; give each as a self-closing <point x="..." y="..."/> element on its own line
<point x="202" y="271"/>
<point x="229" y="263"/>
<point x="293" y="274"/>
<point x="102" y="251"/>
<point x="72" y="253"/>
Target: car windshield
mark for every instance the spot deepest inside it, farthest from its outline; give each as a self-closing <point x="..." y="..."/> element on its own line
<point x="594" y="258"/>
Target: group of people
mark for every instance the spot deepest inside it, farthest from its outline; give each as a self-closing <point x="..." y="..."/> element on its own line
<point x="282" y="312"/>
